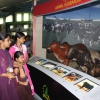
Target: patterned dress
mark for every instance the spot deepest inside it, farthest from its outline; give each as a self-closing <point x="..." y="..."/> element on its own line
<point x="7" y="87"/>
<point x="24" y="92"/>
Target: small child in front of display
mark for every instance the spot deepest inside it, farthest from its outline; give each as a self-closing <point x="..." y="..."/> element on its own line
<point x="22" y="86"/>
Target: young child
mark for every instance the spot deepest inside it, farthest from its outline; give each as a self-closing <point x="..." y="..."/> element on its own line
<point x="22" y="86"/>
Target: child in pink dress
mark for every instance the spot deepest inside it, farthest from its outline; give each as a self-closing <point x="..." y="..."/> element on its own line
<point x="19" y="46"/>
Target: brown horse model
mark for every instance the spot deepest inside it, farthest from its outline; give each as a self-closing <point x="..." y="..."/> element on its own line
<point x="61" y="50"/>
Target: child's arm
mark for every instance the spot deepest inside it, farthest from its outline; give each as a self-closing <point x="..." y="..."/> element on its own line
<point x="22" y="73"/>
<point x="19" y="69"/>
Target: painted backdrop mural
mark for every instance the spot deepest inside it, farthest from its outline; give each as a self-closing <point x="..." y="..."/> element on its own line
<point x="76" y="26"/>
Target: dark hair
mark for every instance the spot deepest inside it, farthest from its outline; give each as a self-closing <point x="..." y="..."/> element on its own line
<point x="3" y="36"/>
<point x="19" y="35"/>
<point x="17" y="54"/>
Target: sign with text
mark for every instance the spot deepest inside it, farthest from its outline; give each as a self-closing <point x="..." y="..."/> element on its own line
<point x="57" y="5"/>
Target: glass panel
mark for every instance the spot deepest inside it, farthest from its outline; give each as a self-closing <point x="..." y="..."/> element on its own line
<point x="19" y="17"/>
<point x="11" y="26"/>
<point x="9" y="18"/>
<point x="1" y="20"/>
<point x="26" y="26"/>
<point x="26" y="17"/>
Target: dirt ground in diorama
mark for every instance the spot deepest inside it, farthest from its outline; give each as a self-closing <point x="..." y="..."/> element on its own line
<point x="71" y="64"/>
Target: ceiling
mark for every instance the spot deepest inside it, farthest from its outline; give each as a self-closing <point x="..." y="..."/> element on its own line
<point x="8" y="3"/>
<point x="10" y="6"/>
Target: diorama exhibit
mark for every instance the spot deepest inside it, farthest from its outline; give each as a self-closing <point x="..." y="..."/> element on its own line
<point x="70" y="30"/>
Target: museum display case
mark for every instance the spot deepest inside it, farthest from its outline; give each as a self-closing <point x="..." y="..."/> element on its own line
<point x="55" y="81"/>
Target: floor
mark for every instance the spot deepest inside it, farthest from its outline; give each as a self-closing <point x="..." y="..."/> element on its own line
<point x="36" y="97"/>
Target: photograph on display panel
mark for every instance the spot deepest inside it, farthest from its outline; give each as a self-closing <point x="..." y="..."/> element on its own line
<point x="48" y="65"/>
<point x="60" y="71"/>
<point x="86" y="85"/>
<point x="72" y="77"/>
<point x="40" y="61"/>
